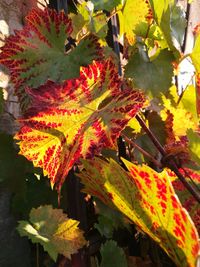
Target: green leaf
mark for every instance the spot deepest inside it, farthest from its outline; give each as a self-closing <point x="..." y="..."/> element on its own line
<point x="112" y="255"/>
<point x="53" y="230"/>
<point x="194" y="145"/>
<point x="148" y="199"/>
<point x="105" y="4"/>
<point x="171" y="21"/>
<point x="76" y="119"/>
<point x="153" y="76"/>
<point x="108" y="219"/>
<point x="37" y="53"/>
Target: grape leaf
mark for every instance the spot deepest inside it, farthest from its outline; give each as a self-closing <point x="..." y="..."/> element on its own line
<point x="170" y="19"/>
<point x="105" y="4"/>
<point x="134" y="12"/>
<point x="107" y="251"/>
<point x="148" y="199"/>
<point x="53" y="230"/>
<point x="187" y="200"/>
<point x="37" y="53"/>
<point x="182" y="120"/>
<point x="76" y="119"/>
<point x="153" y="76"/>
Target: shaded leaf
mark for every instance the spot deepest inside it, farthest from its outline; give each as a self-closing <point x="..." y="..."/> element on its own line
<point x="128" y="21"/>
<point x="13" y="167"/>
<point x="105" y="4"/>
<point x="53" y="230"/>
<point x="148" y="199"/>
<point x="108" y="219"/>
<point x="76" y="119"/>
<point x="36" y="192"/>
<point x="37" y="53"/>
<point x="112" y="255"/>
<point x="153" y="76"/>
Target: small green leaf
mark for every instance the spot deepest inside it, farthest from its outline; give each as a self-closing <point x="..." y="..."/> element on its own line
<point x="194" y="145"/>
<point x="153" y="76"/>
<point x="112" y="255"/>
<point x="105" y="4"/>
<point x="53" y="230"/>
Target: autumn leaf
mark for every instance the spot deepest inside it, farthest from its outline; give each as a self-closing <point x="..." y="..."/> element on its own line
<point x="42" y="50"/>
<point x="148" y="199"/>
<point x="187" y="200"/>
<point x="53" y="230"/>
<point x="76" y="119"/>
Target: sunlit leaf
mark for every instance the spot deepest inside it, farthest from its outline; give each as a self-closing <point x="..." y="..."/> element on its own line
<point x="170" y="19"/>
<point x="153" y="76"/>
<point x="148" y="199"/>
<point x="37" y="53"/>
<point x="196" y="54"/>
<point x="187" y="200"/>
<point x="53" y="230"/>
<point x="112" y="255"/>
<point x="76" y="119"/>
<point x="181" y="120"/>
<point x="134" y="12"/>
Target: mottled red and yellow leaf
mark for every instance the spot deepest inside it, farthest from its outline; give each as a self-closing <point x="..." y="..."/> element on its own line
<point x="187" y="200"/>
<point x="148" y="199"/>
<point x="76" y="119"/>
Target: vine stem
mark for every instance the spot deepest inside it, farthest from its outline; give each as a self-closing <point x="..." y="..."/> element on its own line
<point x="145" y="153"/>
<point x="169" y="162"/>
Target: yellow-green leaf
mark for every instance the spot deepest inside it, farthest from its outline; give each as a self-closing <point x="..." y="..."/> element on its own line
<point x="134" y="12"/>
<point x="53" y="230"/>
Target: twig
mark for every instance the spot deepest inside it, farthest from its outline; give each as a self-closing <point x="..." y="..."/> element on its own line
<point x="145" y="153"/>
<point x="151" y="135"/>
